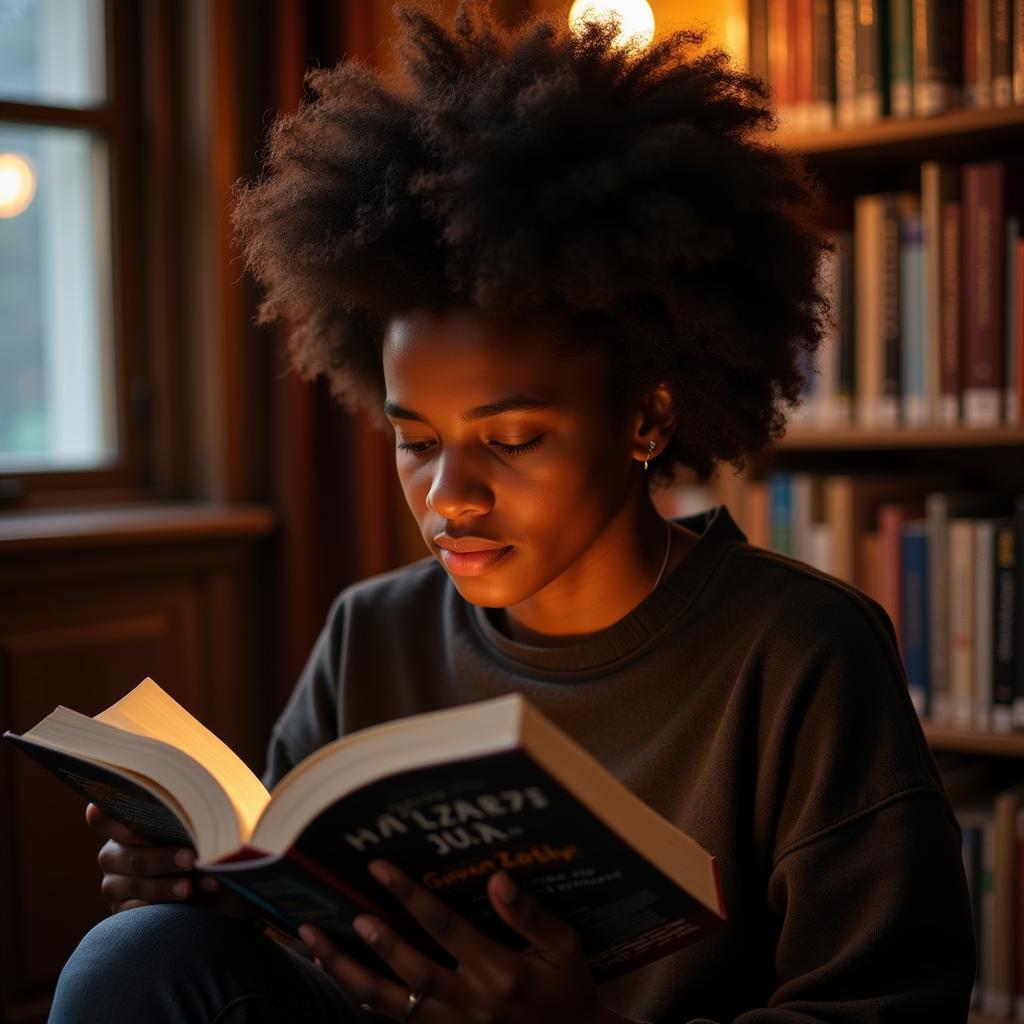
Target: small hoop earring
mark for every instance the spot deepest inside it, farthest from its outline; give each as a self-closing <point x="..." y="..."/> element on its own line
<point x="650" y="448"/>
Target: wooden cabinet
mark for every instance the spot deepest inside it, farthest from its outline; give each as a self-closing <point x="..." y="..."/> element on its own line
<point x="90" y="604"/>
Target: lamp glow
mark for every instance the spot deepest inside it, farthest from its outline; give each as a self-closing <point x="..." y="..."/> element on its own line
<point x="17" y="184"/>
<point x="636" y="19"/>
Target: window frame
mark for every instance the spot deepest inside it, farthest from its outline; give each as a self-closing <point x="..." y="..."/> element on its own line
<point x="119" y="121"/>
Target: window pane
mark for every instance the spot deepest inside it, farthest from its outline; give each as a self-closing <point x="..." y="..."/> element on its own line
<point x="56" y="352"/>
<point x="52" y="52"/>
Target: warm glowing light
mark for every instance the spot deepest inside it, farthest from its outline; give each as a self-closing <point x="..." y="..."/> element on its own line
<point x="17" y="184"/>
<point x="636" y="19"/>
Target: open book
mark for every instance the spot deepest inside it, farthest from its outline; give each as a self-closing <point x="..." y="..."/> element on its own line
<point x="450" y="796"/>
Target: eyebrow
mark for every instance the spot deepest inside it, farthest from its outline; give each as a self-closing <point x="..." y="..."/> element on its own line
<point x="513" y="403"/>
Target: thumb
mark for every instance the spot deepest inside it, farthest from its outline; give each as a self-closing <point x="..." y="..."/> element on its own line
<point x="551" y="938"/>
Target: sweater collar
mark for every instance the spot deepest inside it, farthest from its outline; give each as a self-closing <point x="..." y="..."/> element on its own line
<point x="626" y="638"/>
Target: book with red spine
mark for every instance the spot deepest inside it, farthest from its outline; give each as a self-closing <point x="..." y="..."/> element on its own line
<point x="983" y="248"/>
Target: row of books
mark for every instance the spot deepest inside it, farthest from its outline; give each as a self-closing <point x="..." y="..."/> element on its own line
<point x="927" y="293"/>
<point x="838" y="63"/>
<point x="946" y="565"/>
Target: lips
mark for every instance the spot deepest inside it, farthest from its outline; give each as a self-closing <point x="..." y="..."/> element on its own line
<point x="471" y="556"/>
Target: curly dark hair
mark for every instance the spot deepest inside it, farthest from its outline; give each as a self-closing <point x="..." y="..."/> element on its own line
<point x="546" y="169"/>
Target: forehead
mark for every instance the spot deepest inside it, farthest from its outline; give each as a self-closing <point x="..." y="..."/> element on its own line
<point x="463" y="353"/>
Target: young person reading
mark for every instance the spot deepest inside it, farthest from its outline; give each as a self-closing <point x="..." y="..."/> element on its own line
<point x="562" y="269"/>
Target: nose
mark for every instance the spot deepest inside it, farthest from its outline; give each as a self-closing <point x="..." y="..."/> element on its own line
<point x="458" y="490"/>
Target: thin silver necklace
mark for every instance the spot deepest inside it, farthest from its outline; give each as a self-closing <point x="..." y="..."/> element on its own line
<point x="664" y="561"/>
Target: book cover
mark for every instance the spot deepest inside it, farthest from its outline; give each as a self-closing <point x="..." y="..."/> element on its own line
<point x="823" y="97"/>
<point x="450" y="796"/>
<point x="984" y="607"/>
<point x="961" y="621"/>
<point x="846" y="65"/>
<point x="950" y="369"/>
<point x="983" y="298"/>
<point x="914" y="400"/>
<point x="982" y="38"/>
<point x="871" y="58"/>
<point x="1002" y="53"/>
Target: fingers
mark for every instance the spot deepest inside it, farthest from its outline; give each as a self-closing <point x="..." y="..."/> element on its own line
<point x="381" y="995"/>
<point x="135" y="875"/>
<point x="447" y="928"/>
<point x="550" y="938"/>
<point x="110" y="828"/>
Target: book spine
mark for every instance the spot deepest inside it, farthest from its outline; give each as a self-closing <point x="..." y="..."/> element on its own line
<point x="961" y="621"/>
<point x="823" y="35"/>
<point x="1014" y="297"/>
<point x="870" y="57"/>
<point x="933" y="177"/>
<point x="1019" y="966"/>
<point x="869" y="280"/>
<point x="970" y="53"/>
<point x="802" y="56"/>
<point x="757" y="13"/>
<point x="914" y="615"/>
<point x="846" y="63"/>
<point x="843" y="405"/>
<point x="983" y="299"/>
<point x="986" y="948"/>
<point x="778" y="56"/>
<point x="781" y="513"/>
<point x="913" y="355"/>
<point x="1002" y="53"/>
<point x="890" y="578"/>
<point x="938" y="606"/>
<point x="949" y="375"/>
<point x="1004" y="644"/>
<point x="983" y="54"/>
<point x="1018" y="324"/>
<point x="1004" y="904"/>
<point x="901" y="52"/>
<point x="984" y="576"/>
<point x="1018" y="677"/>
<point x="937" y="55"/>
<point x="1018" y="53"/>
<point x="889" y="399"/>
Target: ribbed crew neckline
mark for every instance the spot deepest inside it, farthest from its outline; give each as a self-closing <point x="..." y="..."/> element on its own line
<point x="626" y="638"/>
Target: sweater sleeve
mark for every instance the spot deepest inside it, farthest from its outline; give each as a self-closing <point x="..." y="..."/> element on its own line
<point x="865" y="900"/>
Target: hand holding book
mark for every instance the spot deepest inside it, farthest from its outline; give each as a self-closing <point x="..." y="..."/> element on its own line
<point x="548" y="980"/>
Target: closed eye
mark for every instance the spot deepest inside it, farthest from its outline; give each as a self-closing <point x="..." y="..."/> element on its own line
<point x="519" y="449"/>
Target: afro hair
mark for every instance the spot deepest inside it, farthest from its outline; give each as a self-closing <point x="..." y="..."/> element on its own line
<point x="629" y="191"/>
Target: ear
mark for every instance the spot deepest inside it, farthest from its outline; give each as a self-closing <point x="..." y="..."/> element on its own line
<point x="655" y="421"/>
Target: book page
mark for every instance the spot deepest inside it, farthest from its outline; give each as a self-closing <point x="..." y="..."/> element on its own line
<point x="150" y="711"/>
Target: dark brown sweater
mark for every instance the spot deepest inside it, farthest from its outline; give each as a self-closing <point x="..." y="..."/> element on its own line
<point x="762" y="707"/>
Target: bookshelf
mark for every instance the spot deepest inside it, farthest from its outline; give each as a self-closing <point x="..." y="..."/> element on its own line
<point x="882" y="154"/>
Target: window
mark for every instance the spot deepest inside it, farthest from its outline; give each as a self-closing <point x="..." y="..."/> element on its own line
<point x="62" y="351"/>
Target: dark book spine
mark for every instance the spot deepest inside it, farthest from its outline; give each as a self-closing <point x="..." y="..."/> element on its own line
<point x="1018" y="681"/>
<point x="1002" y="52"/>
<point x="937" y="55"/>
<point x="901" y="52"/>
<point x="969" y="52"/>
<point x="823" y="36"/>
<point x="914" y="614"/>
<point x="846" y="62"/>
<point x="1004" y="599"/>
<point x="782" y="513"/>
<point x="847" y="329"/>
<point x="949" y="377"/>
<point x="871" y="58"/>
<point x="983" y="54"/>
<point x="757" y="13"/>
<point x="983" y="297"/>
<point x="891" y="343"/>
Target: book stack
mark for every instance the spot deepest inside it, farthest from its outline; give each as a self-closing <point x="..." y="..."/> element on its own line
<point x="947" y="566"/>
<point x="839" y="63"/>
<point x="927" y="295"/>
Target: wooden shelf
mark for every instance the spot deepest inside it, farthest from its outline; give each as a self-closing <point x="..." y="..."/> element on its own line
<point x="893" y="137"/>
<point x="809" y="439"/>
<point x="969" y="742"/>
<point x="984" y="1018"/>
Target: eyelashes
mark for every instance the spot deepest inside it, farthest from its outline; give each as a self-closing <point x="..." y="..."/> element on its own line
<point x="421" y="447"/>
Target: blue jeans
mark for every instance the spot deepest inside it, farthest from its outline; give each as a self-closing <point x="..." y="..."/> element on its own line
<point x="179" y="964"/>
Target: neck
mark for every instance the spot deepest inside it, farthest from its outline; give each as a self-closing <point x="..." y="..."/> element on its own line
<point x="615" y="574"/>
